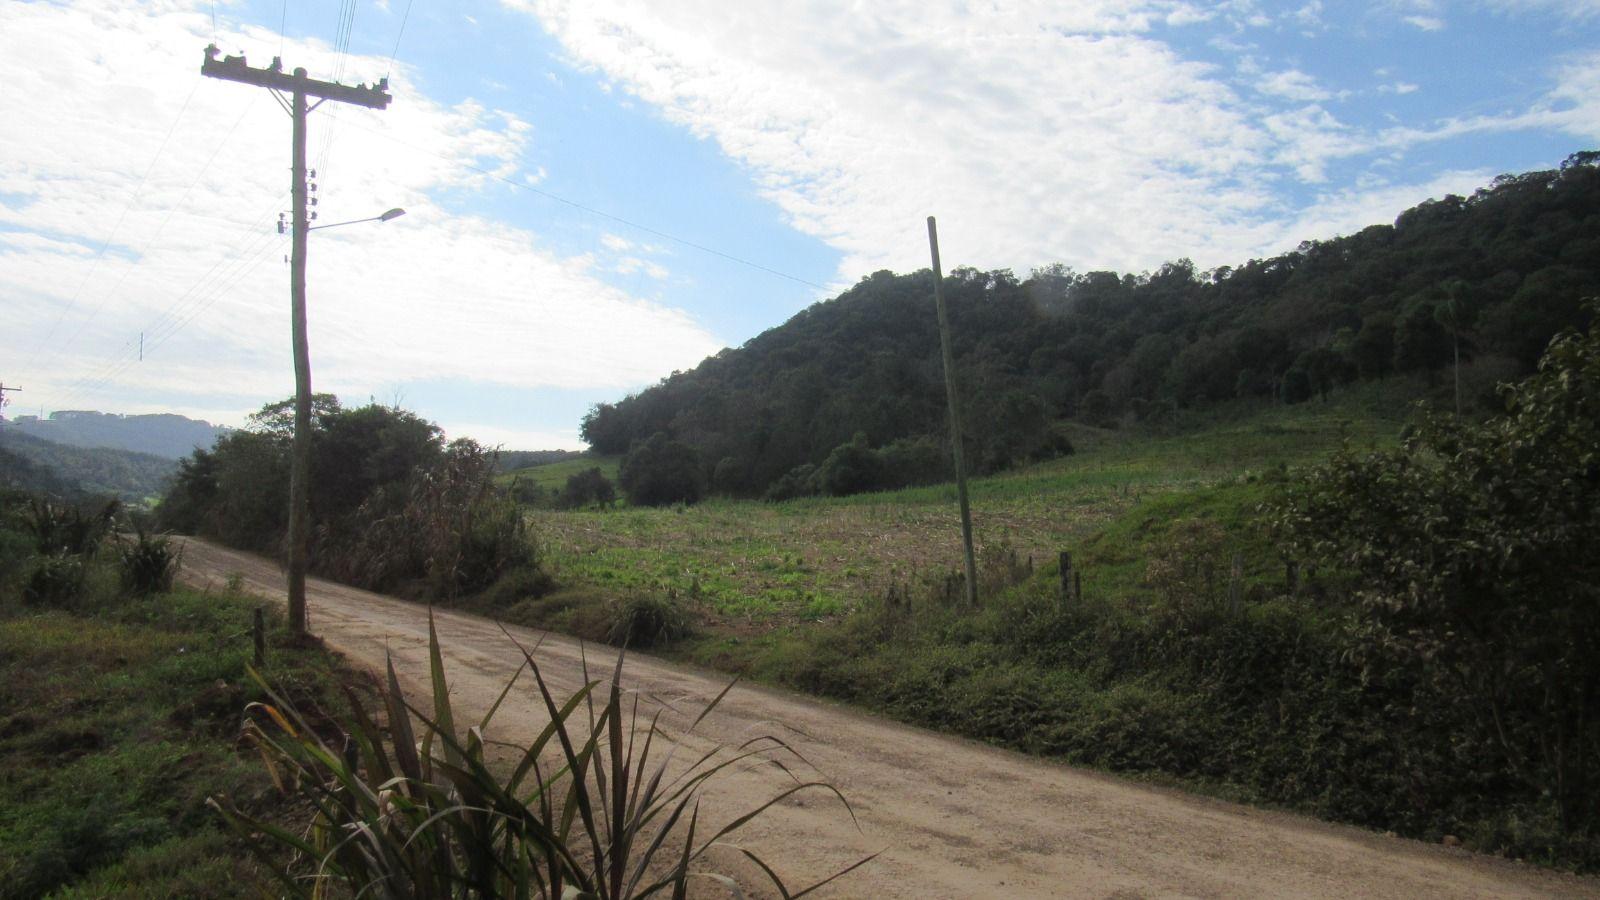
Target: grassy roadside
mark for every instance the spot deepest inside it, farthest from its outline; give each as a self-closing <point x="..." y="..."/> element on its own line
<point x="118" y="718"/>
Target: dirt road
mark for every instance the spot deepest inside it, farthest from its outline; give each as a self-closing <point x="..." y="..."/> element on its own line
<point x="952" y="818"/>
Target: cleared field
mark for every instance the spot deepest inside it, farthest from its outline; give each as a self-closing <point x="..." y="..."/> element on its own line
<point x="748" y="564"/>
<point x="553" y="476"/>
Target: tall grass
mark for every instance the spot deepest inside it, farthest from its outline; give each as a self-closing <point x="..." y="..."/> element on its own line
<point x="598" y="814"/>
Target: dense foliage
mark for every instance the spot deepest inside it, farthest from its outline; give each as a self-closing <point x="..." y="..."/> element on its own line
<point x="1475" y="549"/>
<point x="21" y="474"/>
<point x="393" y="507"/>
<point x="660" y="471"/>
<point x="1489" y="277"/>
<point x="1439" y="675"/>
<point x="125" y="474"/>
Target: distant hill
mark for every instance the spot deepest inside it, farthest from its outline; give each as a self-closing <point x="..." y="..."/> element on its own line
<point x="61" y="469"/>
<point x="19" y="473"/>
<point x="511" y="460"/>
<point x="162" y="434"/>
<point x="1491" y="276"/>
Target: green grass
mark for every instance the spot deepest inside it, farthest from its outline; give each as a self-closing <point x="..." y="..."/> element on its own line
<point x="118" y="719"/>
<point x="553" y="476"/>
<point x="750" y="566"/>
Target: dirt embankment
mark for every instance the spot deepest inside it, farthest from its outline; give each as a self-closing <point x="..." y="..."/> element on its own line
<point x="952" y="818"/>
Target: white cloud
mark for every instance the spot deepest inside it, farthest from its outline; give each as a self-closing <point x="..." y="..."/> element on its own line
<point x="1036" y="131"/>
<point x="1060" y="123"/>
<point x="513" y="438"/>
<point x="1426" y="23"/>
<point x="1569" y="9"/>
<point x="434" y="295"/>
<point x="1293" y="84"/>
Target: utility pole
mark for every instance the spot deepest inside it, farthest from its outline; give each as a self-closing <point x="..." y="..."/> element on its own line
<point x="955" y="414"/>
<point x="298" y="87"/>
<point x="4" y="402"/>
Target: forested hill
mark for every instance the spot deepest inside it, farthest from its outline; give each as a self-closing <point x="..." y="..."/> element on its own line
<point x="64" y="470"/>
<point x="161" y="434"/>
<point x="1497" y="273"/>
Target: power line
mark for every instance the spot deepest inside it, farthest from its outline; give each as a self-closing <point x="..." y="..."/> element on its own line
<point x="132" y="264"/>
<point x="403" y="19"/>
<point x="100" y="254"/>
<point x="521" y="186"/>
<point x="242" y="268"/>
<point x="204" y="285"/>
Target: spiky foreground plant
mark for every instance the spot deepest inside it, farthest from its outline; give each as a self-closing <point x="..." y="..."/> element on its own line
<point x="423" y="814"/>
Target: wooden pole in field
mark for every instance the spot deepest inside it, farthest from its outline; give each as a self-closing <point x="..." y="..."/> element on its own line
<point x="955" y="414"/>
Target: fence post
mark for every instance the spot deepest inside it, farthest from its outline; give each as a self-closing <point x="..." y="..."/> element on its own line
<point x="1291" y="576"/>
<point x="1236" y="584"/>
<point x="259" y="630"/>
<point x="1077" y="585"/>
<point x="1065" y="559"/>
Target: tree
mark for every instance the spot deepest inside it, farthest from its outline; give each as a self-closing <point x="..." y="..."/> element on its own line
<point x="1475" y="547"/>
<point x="851" y="468"/>
<point x="1420" y="342"/>
<point x="1296" y="386"/>
<point x="1373" y="349"/>
<point x="660" y="471"/>
<point x="589" y="487"/>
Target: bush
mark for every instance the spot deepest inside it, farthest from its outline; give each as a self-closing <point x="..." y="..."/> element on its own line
<point x="1475" y="545"/>
<point x="801" y="481"/>
<point x="55" y="579"/>
<point x="661" y="471"/>
<point x="647" y="620"/>
<point x="416" y="807"/>
<point x="587" y="488"/>
<point x="851" y="468"/>
<point x="148" y="564"/>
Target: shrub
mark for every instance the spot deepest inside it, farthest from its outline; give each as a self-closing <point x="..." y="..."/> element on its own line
<point x="801" y="481"/>
<point x="424" y="815"/>
<point x="148" y="563"/>
<point x="55" y="579"/>
<point x="647" y="620"/>
<point x="851" y="468"/>
<point x="67" y="529"/>
<point x="587" y="488"/>
<point x="1475" y="543"/>
<point x="661" y="471"/>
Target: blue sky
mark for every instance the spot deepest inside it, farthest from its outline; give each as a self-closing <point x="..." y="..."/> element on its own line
<point x="733" y="164"/>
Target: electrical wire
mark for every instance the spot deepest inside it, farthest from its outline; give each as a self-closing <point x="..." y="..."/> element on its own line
<point x="253" y="238"/>
<point x="99" y="254"/>
<point x="242" y="267"/>
<point x="139" y="254"/>
<point x="403" y="20"/>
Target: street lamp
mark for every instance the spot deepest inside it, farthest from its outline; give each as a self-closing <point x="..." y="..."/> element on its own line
<point x="300" y="449"/>
<point x="395" y="213"/>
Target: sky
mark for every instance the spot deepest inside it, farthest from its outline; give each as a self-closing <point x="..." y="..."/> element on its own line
<point x="598" y="193"/>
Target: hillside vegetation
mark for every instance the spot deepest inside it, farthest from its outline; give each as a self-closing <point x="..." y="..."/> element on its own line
<point x="1408" y="642"/>
<point x="126" y="475"/>
<point x="848" y="396"/>
<point x="120" y="708"/>
<point x="166" y="435"/>
<point x="395" y="508"/>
